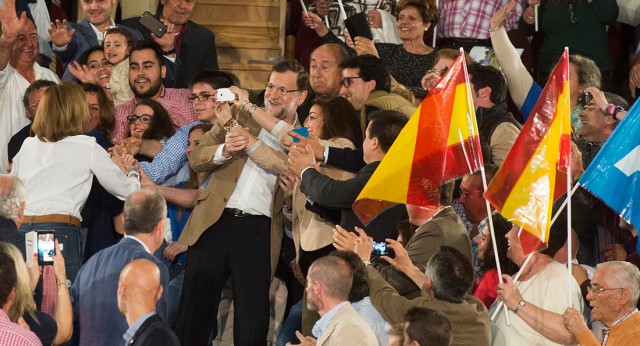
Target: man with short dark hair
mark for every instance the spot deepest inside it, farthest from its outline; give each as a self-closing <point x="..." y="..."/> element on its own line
<point x="30" y="101"/>
<point x="471" y="198"/>
<point x="445" y="288"/>
<point x="146" y="71"/>
<point x="426" y="327"/>
<point x="94" y="293"/>
<point x="366" y="83"/>
<point x="497" y="127"/>
<point x="14" y="334"/>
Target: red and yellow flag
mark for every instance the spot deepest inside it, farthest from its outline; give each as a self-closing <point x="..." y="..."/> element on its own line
<point x="439" y="143"/>
<point x="534" y="173"/>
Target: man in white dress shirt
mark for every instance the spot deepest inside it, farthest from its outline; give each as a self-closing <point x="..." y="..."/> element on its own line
<point x="18" y="69"/>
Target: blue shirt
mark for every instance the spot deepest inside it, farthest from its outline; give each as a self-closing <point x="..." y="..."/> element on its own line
<point x="323" y="322"/>
<point x="172" y="157"/>
<point x="128" y="335"/>
<point x="374" y="319"/>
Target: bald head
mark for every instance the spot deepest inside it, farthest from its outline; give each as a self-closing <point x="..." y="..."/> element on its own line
<point x="139" y="287"/>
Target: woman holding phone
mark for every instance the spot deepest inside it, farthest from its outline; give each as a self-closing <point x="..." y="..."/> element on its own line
<point x="57" y="168"/>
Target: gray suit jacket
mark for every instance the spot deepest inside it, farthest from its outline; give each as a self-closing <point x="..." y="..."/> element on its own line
<point x="445" y="228"/>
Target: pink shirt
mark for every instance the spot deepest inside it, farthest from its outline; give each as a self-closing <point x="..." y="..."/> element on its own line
<point x="470" y="19"/>
<point x="13" y="334"/>
<point x="173" y="100"/>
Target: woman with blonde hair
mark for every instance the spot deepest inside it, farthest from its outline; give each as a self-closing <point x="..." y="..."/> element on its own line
<point x="48" y="330"/>
<point x="57" y="168"/>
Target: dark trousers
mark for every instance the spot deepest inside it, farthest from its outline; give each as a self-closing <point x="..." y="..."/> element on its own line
<point x="236" y="246"/>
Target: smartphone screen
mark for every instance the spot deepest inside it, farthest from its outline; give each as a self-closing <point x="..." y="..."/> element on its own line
<point x="379" y="248"/>
<point x="46" y="247"/>
<point x="302" y="131"/>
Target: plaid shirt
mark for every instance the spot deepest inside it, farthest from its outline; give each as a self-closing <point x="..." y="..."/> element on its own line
<point x="172" y="157"/>
<point x="470" y="18"/>
<point x="13" y="334"/>
<point x="173" y="100"/>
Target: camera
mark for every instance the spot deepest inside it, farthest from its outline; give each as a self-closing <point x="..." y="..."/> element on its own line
<point x="585" y="99"/>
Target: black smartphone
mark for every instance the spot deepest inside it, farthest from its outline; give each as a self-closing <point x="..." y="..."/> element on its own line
<point x="357" y="25"/>
<point x="380" y="248"/>
<point x="46" y="247"/>
<point x="153" y="24"/>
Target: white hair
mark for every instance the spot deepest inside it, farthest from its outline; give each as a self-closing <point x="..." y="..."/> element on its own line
<point x="12" y="195"/>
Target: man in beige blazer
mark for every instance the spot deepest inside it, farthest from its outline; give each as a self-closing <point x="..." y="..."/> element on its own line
<point x="328" y="285"/>
<point x="235" y="229"/>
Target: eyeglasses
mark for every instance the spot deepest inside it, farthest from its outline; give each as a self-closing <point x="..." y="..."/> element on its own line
<point x="271" y="88"/>
<point x="144" y="119"/>
<point x="441" y="72"/>
<point x="596" y="290"/>
<point x="202" y="97"/>
<point x="347" y="81"/>
<point x="34" y="106"/>
<point x="467" y="193"/>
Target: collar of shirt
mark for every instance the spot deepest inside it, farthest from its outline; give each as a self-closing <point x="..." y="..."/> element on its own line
<point x="128" y="335"/>
<point x="146" y="248"/>
<point x="100" y="35"/>
<point x="624" y="317"/>
<point x="323" y="322"/>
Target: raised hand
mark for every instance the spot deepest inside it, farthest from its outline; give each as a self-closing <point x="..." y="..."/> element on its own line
<point x="82" y="73"/>
<point x="167" y="41"/>
<point x="501" y="15"/>
<point x="11" y="23"/>
<point x="60" y="34"/>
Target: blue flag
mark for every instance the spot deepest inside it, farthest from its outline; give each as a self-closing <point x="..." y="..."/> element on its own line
<point x="614" y="174"/>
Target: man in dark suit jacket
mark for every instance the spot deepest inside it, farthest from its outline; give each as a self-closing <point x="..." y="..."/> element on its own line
<point x="384" y="127"/>
<point x="138" y="292"/>
<point x="195" y="45"/>
<point x="70" y="41"/>
<point x="94" y="293"/>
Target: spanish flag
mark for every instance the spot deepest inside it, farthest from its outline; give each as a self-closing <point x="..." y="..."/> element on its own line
<point x="439" y="143"/>
<point x="534" y="173"/>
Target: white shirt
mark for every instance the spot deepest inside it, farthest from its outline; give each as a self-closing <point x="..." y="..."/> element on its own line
<point x="58" y="175"/>
<point x="254" y="191"/>
<point x="13" y="116"/>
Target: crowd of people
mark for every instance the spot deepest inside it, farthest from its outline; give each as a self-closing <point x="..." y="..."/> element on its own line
<point x="181" y="218"/>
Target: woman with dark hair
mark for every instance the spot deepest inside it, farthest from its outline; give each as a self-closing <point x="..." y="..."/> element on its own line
<point x="93" y="68"/>
<point x="149" y="121"/>
<point x="486" y="288"/>
<point x="538" y="298"/>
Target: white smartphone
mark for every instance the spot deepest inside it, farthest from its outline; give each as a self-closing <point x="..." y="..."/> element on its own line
<point x="224" y="94"/>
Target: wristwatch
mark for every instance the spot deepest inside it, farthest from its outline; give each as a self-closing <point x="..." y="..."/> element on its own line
<point x="519" y="306"/>
<point x="66" y="283"/>
<point x="251" y="109"/>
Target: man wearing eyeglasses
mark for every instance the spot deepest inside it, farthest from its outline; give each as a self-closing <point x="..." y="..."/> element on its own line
<point x="30" y="101"/>
<point x="613" y="296"/>
<point x="235" y="230"/>
<point x="366" y="83"/>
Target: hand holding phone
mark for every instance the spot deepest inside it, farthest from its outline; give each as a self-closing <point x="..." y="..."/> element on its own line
<point x="46" y="247"/>
<point x="225" y="95"/>
<point x="302" y="131"/>
<point x="153" y="24"/>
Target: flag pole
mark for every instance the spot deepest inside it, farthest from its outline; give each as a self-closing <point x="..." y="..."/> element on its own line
<point x="342" y="11"/>
<point x="568" y="199"/>
<point x="564" y="204"/>
<point x="515" y="278"/>
<point x="435" y="30"/>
